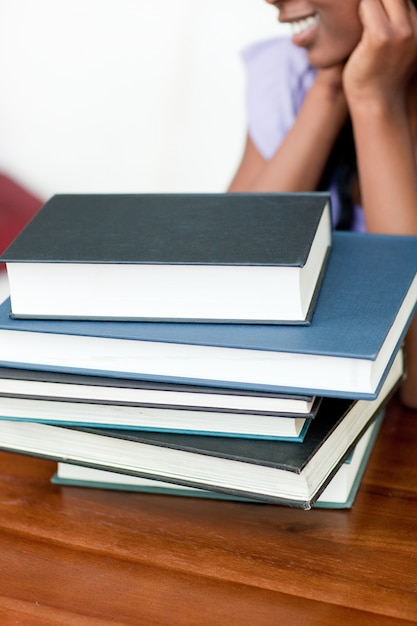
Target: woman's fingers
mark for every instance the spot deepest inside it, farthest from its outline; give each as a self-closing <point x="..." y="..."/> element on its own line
<point x="385" y="58"/>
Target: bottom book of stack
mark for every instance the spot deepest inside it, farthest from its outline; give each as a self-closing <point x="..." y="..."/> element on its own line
<point x="340" y="493"/>
<point x="275" y="471"/>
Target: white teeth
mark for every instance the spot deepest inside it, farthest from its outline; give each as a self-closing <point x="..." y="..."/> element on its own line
<point x="300" y="25"/>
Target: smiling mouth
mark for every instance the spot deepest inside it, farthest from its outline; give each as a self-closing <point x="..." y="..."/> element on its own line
<point x="299" y="26"/>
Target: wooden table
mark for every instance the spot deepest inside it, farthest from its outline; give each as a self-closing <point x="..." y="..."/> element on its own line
<point x="80" y="556"/>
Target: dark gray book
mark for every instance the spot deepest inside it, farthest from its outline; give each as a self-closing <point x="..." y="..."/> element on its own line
<point x="202" y="257"/>
<point x="340" y="492"/>
<point x="60" y="398"/>
<point x="53" y="385"/>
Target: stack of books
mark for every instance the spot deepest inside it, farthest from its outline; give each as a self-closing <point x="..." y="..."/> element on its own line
<point x="213" y="345"/>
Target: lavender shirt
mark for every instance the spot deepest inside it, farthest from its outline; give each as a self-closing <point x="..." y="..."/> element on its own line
<point x="278" y="78"/>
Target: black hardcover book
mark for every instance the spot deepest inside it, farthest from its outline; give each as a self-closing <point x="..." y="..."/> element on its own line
<point x="340" y="492"/>
<point x="206" y="257"/>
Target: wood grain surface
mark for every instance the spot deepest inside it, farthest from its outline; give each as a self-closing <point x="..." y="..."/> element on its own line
<point x="84" y="556"/>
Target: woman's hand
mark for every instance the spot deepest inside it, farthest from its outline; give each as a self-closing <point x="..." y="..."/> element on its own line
<point x="381" y="66"/>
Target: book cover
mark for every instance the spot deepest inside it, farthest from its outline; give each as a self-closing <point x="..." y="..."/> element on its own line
<point x="340" y="492"/>
<point x="272" y="471"/>
<point x="202" y="257"/>
<point x="366" y="303"/>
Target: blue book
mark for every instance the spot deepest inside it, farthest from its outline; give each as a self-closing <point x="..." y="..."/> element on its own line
<point x="366" y="303"/>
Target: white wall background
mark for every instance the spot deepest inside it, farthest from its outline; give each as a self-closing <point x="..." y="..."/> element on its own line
<point x="125" y="95"/>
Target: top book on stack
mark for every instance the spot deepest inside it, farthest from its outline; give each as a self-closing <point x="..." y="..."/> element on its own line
<point x="247" y="258"/>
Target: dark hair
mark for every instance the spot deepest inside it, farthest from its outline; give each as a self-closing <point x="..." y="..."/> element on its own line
<point x="341" y="170"/>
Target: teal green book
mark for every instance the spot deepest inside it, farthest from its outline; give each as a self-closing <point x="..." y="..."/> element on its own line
<point x="155" y="419"/>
